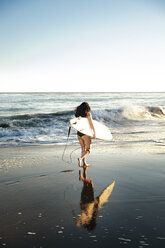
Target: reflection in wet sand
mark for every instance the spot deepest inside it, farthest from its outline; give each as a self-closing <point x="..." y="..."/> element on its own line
<point x="90" y="205"/>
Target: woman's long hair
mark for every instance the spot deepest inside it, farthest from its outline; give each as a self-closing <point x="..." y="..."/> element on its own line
<point x="82" y="109"/>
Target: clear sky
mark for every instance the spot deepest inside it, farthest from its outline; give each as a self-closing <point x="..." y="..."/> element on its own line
<point x="89" y="45"/>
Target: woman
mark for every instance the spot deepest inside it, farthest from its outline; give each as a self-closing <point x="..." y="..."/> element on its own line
<point x="83" y="110"/>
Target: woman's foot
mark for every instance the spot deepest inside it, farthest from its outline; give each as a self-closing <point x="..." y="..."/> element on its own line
<point x="86" y="165"/>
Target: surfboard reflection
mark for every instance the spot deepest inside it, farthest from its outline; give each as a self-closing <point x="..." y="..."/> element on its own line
<point x="90" y="205"/>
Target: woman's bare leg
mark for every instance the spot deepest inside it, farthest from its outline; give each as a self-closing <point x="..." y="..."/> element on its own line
<point x="82" y="144"/>
<point x="87" y="142"/>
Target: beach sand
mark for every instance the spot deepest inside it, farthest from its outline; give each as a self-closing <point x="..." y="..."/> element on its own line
<point x="45" y="204"/>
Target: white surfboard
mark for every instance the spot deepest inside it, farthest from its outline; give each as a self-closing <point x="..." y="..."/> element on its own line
<point x="82" y="125"/>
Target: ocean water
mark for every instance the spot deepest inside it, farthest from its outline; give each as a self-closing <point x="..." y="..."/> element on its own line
<point x="43" y="118"/>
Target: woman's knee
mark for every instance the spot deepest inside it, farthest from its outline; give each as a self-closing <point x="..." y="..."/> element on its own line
<point x="88" y="151"/>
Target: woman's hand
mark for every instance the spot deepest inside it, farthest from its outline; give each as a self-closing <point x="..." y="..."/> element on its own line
<point x="91" y="124"/>
<point x="94" y="135"/>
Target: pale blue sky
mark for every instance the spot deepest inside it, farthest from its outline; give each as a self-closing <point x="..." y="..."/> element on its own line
<point x="92" y="45"/>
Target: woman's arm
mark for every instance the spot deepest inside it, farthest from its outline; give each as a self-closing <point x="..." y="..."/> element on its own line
<point x="89" y="117"/>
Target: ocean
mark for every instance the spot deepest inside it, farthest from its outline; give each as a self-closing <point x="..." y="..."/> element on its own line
<point x="43" y="118"/>
<point x="47" y="200"/>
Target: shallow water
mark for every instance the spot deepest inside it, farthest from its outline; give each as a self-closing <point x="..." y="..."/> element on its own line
<point x="43" y="207"/>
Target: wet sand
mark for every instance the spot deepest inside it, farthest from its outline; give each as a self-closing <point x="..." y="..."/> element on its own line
<point x="50" y="202"/>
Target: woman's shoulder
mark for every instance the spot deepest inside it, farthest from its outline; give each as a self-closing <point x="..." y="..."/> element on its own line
<point x="88" y="114"/>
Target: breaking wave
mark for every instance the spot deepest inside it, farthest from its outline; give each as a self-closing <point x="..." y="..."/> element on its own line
<point x="33" y="120"/>
<point x="48" y="128"/>
<point x="130" y="114"/>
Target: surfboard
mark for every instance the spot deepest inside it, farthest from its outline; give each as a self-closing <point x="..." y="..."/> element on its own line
<point x="82" y="125"/>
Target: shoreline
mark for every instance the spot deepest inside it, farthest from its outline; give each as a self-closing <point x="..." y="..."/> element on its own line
<point x="96" y="147"/>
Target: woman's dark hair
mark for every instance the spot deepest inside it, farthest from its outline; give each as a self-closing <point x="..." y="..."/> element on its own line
<point x="82" y="109"/>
